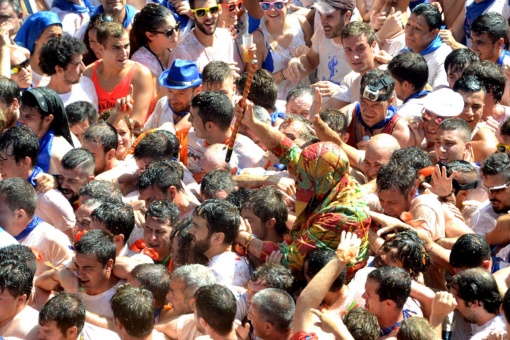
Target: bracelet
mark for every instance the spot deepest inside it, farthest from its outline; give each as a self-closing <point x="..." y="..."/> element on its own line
<point x="445" y="197"/>
<point x="379" y="41"/>
<point x="247" y="243"/>
<point x="283" y="77"/>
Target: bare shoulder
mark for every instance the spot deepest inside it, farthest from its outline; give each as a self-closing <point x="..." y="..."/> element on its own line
<point x="88" y="70"/>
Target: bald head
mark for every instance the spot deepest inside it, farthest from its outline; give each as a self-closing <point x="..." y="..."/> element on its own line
<point x="214" y="158"/>
<point x="379" y="150"/>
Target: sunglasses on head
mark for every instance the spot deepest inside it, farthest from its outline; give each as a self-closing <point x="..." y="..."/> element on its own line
<point x="232" y="7"/>
<point x="266" y="6"/>
<point x="171" y="30"/>
<point x="427" y="117"/>
<point x="17" y="68"/>
<point x="503" y="148"/>
<point x="106" y="18"/>
<point x="201" y="12"/>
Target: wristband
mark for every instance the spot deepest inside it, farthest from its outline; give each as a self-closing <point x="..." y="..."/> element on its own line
<point x="283" y="77"/>
<point x="445" y="197"/>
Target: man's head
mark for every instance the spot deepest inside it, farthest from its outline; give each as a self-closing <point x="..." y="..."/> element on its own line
<point x="493" y="79"/>
<point x="218" y="76"/>
<point x="161" y="217"/>
<point x="405" y="250"/>
<point x="453" y="141"/>
<point x="211" y="113"/>
<point x="412" y="157"/>
<point x="113" y="44"/>
<point x="358" y="39"/>
<point x="386" y="290"/>
<point x="61" y="318"/>
<point x="16" y="281"/>
<point x="299" y="101"/>
<point x="61" y="58"/>
<point x="20" y="253"/>
<point x="409" y="72"/>
<point x="182" y="81"/>
<point x="263" y="90"/>
<point x="415" y="328"/>
<point x="153" y="277"/>
<point x="466" y="180"/>
<point x="489" y="35"/>
<point x="215" y="309"/>
<point x="21" y="71"/>
<point x="102" y="141"/>
<point x="94" y="259"/>
<point x="378" y="153"/>
<point x="10" y="11"/>
<point x="160" y="181"/>
<point x="470" y="251"/>
<point x="457" y="61"/>
<point x="217" y="184"/>
<point x="422" y="27"/>
<point x="19" y="148"/>
<point x="133" y="312"/>
<point x="155" y="146"/>
<point x="396" y="188"/>
<point x="269" y="276"/>
<point x="271" y="313"/>
<point x="186" y="280"/>
<point x="318" y="259"/>
<point x="504" y="137"/>
<point x="266" y="212"/>
<point x="206" y="14"/>
<point x="297" y="129"/>
<point x="9" y="100"/>
<point x="215" y="225"/>
<point x="472" y="91"/>
<point x="362" y="324"/>
<point x="337" y="121"/>
<point x="376" y="96"/>
<point x="83" y="214"/>
<point x="496" y="180"/>
<point x="334" y="15"/>
<point x="477" y="295"/>
<point x="76" y="169"/>
<point x="18" y="201"/>
<point x="100" y="190"/>
<point x="116" y="218"/>
<point x="214" y="159"/>
<point x="81" y="115"/>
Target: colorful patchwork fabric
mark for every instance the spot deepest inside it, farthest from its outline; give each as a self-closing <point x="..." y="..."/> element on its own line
<point x="327" y="203"/>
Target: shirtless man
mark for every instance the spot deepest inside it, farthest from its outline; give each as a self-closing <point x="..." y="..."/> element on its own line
<point x="115" y="76"/>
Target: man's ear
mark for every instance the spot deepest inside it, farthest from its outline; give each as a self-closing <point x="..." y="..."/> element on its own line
<point x="218" y="238"/>
<point x="171" y="192"/>
<point x="49" y="118"/>
<point x="500" y="43"/>
<point x="345" y="137"/>
<point x="15" y="104"/>
<point x="22" y="300"/>
<point x="91" y="177"/>
<point x="110" y="154"/>
<point x="109" y="264"/>
<point x="270" y="224"/>
<point x="118" y="325"/>
<point x="233" y="171"/>
<point x="486" y="264"/>
<point x="26" y="162"/>
<point x="347" y="17"/>
<point x="468" y="153"/>
<point x="59" y="69"/>
<point x="118" y="238"/>
<point x="72" y="332"/>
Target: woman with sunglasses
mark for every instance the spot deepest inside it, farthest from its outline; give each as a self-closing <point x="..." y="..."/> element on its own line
<point x="90" y="37"/>
<point x="153" y="36"/>
<point x="279" y="38"/>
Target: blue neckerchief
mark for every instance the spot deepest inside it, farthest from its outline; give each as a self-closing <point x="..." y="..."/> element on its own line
<point x="275" y="115"/>
<point x="502" y="56"/>
<point x="72" y="7"/>
<point x="416" y="95"/>
<point x="30" y="227"/>
<point x="183" y="19"/>
<point x="406" y="313"/>
<point x="434" y="45"/>
<point x="180" y="114"/>
<point x="33" y="27"/>
<point x="45" y="144"/>
<point x="37" y="170"/>
<point x="495" y="263"/>
<point x="130" y="14"/>
<point x="391" y="112"/>
<point x="157" y="312"/>
<point x="472" y="12"/>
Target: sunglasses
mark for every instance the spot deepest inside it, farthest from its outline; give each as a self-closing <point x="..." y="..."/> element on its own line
<point x="503" y="148"/>
<point x="232" y="7"/>
<point x="17" y="68"/>
<point x="171" y="30"/>
<point x="201" y="12"/>
<point x="266" y="6"/>
<point x="497" y="188"/>
<point x="427" y="117"/>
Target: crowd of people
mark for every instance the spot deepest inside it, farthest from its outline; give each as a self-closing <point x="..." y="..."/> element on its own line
<point x="366" y="196"/>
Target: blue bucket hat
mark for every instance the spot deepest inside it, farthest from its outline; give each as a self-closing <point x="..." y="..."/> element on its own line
<point x="33" y="27"/>
<point x="181" y="75"/>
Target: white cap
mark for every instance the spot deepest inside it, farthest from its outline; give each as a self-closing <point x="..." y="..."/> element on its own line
<point x="444" y="102"/>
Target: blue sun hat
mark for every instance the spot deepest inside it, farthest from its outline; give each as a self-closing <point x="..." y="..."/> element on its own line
<point x="181" y="75"/>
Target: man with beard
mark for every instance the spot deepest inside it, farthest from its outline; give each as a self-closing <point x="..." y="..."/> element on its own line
<point x="9" y="101"/>
<point x="215" y="226"/>
<point x="327" y="53"/>
<point x="76" y="169"/>
<point x="205" y="43"/>
<point x="61" y="59"/>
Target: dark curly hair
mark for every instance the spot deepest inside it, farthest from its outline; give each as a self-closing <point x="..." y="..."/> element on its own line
<point x="59" y="51"/>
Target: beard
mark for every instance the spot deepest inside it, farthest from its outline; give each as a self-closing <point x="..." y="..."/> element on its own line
<point x="200" y="247"/>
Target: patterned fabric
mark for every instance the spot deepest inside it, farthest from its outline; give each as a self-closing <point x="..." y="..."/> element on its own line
<point x="327" y="203"/>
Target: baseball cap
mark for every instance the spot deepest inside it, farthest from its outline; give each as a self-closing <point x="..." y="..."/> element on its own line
<point x="329" y="6"/>
<point x="444" y="102"/>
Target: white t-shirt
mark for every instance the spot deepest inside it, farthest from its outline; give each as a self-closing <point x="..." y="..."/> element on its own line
<point x="56" y="210"/>
<point x="71" y="21"/>
<point x="59" y="148"/>
<point x="145" y="57"/>
<point x="91" y="332"/>
<point x="83" y="91"/>
<point x="231" y="269"/>
<point x="333" y="64"/>
<point x="484" y="219"/>
<point x="412" y="108"/>
<point x="51" y="243"/>
<point x="482" y="332"/>
<point x="6" y="239"/>
<point x="100" y="304"/>
<point x="435" y="62"/>
<point x="191" y="49"/>
<point x="162" y="114"/>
